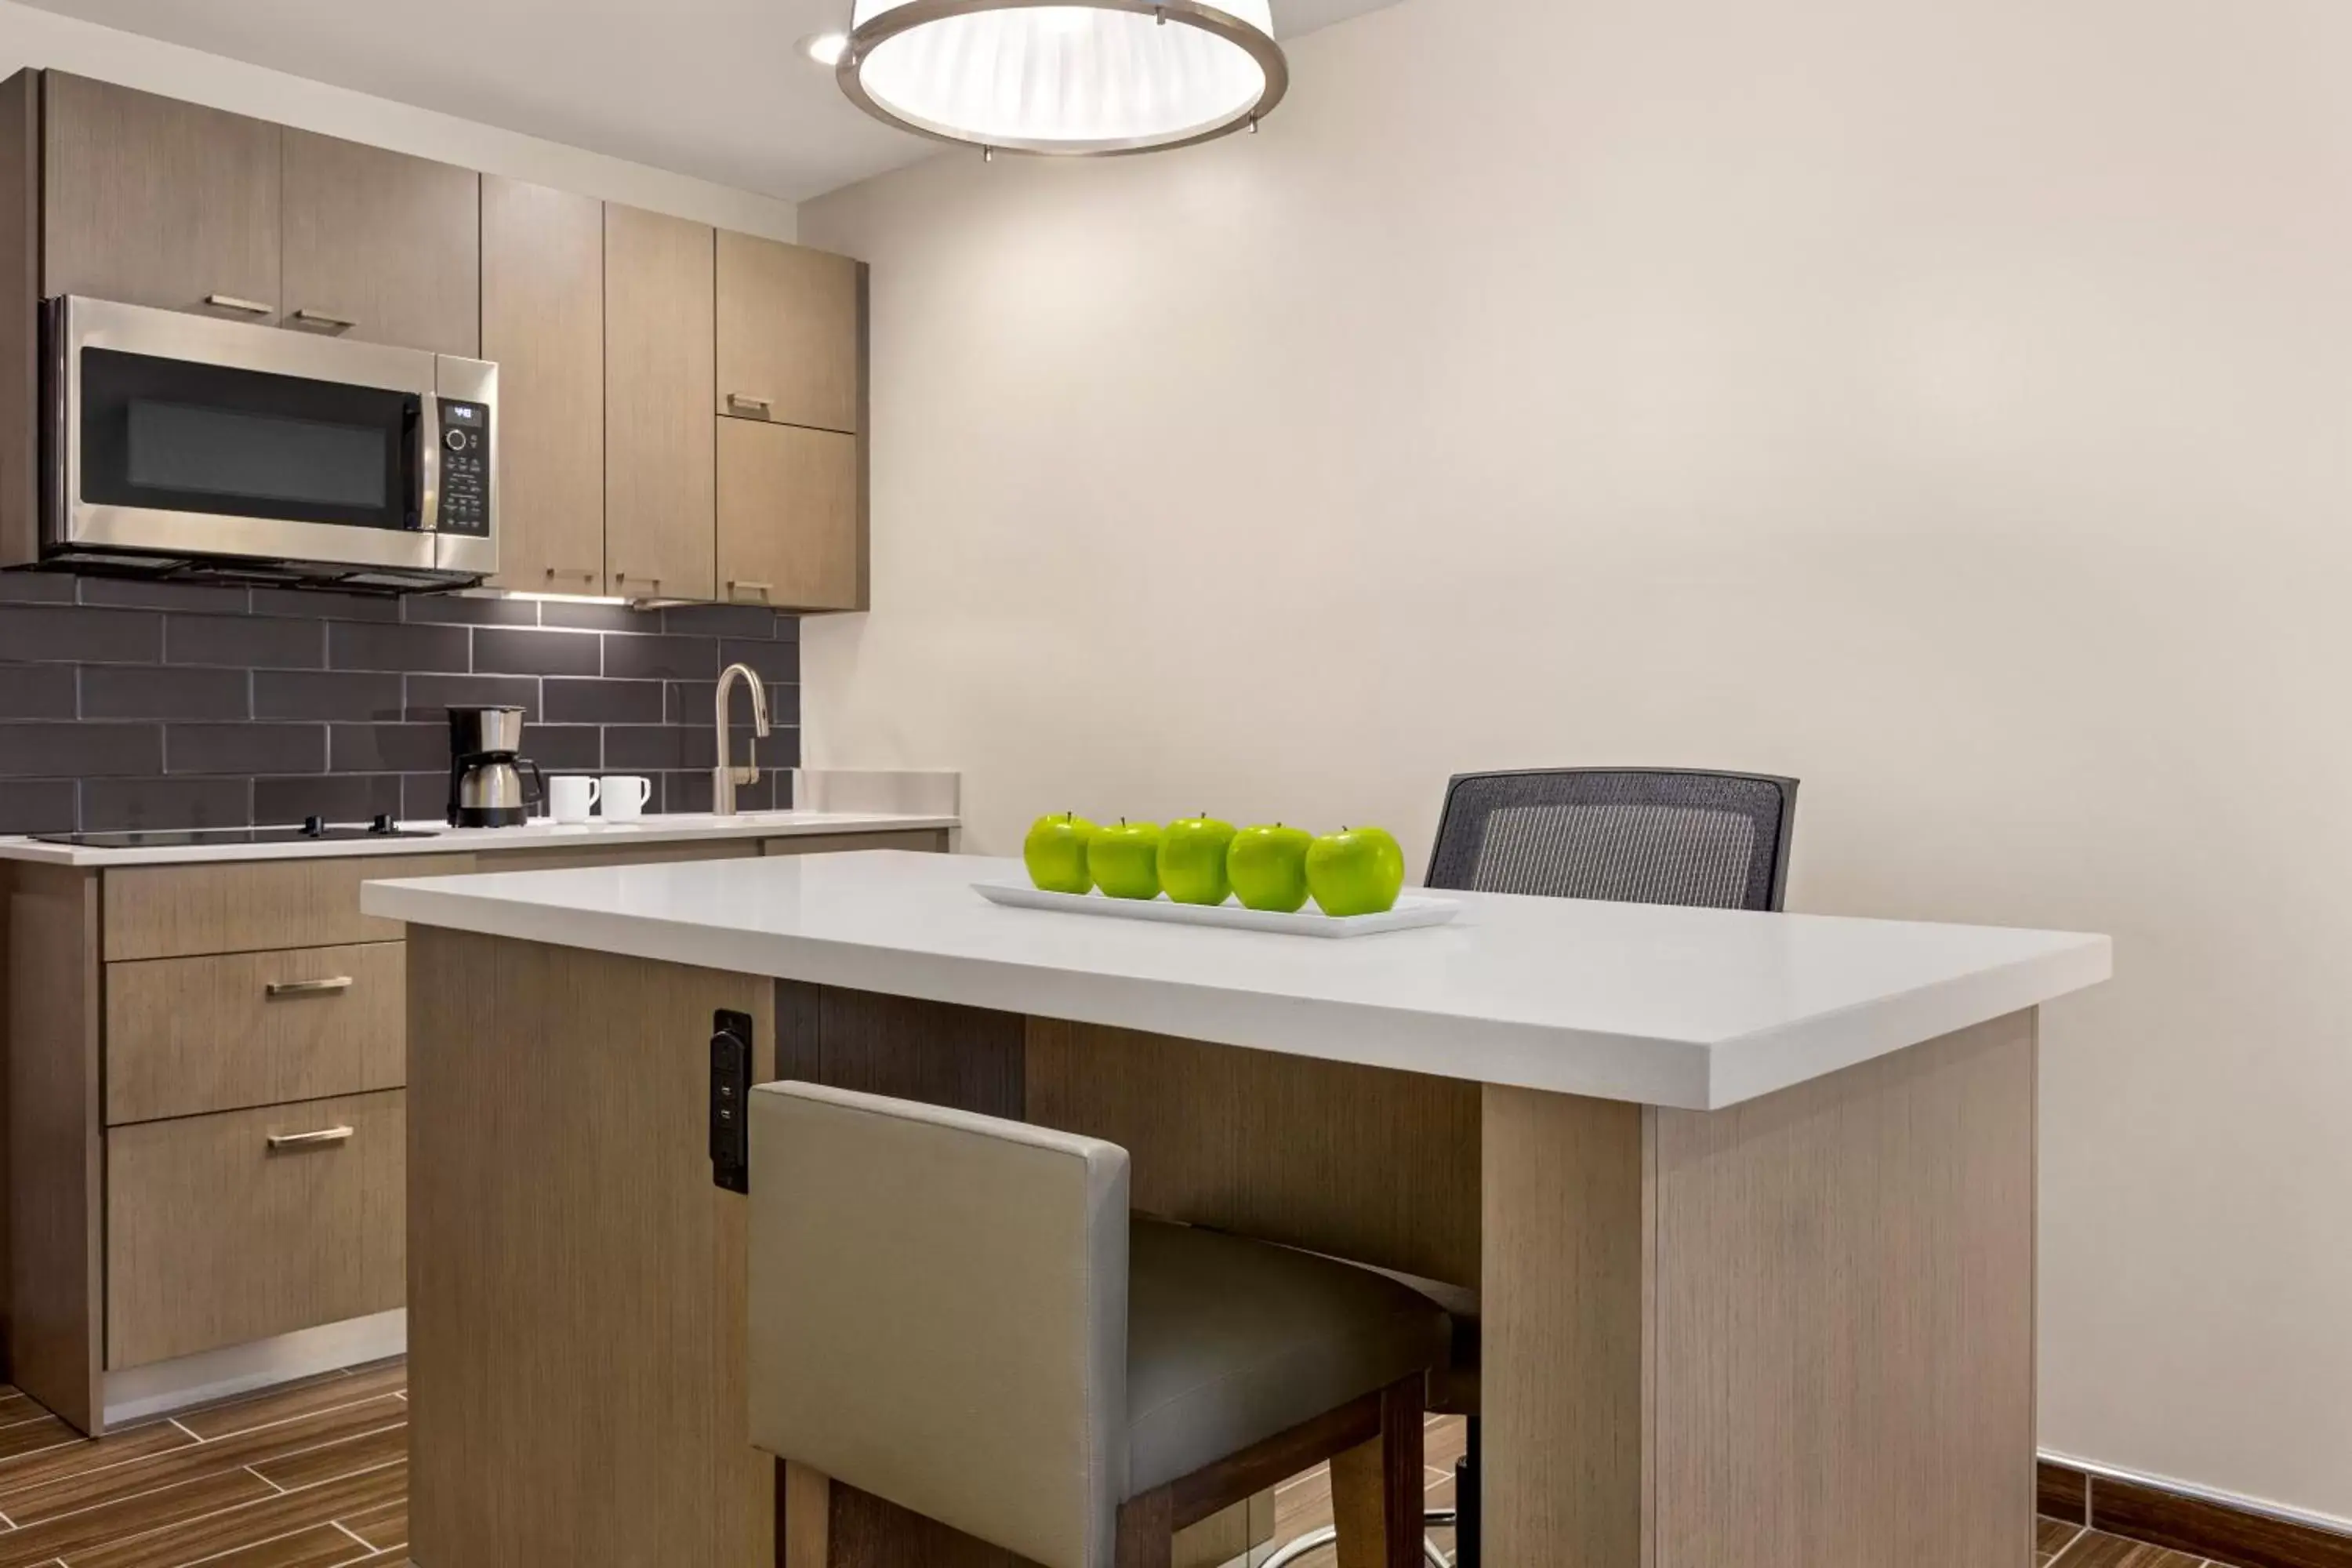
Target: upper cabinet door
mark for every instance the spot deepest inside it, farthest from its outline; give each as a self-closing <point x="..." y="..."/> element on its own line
<point x="381" y="247"/>
<point x="791" y="527"/>
<point x="154" y="202"/>
<point x="544" y="323"/>
<point x="789" y="333"/>
<point x="660" y="521"/>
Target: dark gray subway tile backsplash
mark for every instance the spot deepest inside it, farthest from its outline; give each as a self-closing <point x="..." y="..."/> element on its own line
<point x="136" y="704"/>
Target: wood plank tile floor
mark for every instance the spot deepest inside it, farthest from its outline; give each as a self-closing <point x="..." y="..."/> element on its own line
<point x="316" y="1475"/>
<point x="310" y="1476"/>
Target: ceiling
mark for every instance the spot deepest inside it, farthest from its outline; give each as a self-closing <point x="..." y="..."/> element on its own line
<point x="710" y="87"/>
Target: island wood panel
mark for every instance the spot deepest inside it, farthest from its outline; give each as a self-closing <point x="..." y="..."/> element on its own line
<point x="1562" y="1314"/>
<point x="1363" y="1163"/>
<point x="1843" y="1317"/>
<point x="660" y="436"/>
<point x="543" y="326"/>
<point x="186" y="1036"/>
<point x="20" y="293"/>
<point x="922" y="840"/>
<point x="212" y="1238"/>
<point x="151" y="200"/>
<point x="240" y="906"/>
<point x="576" y="1284"/>
<point x="54" y="1253"/>
<point x="935" y="1053"/>
<point x="381" y="247"/>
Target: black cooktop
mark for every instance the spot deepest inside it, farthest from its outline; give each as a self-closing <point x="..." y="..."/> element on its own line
<point x="186" y="837"/>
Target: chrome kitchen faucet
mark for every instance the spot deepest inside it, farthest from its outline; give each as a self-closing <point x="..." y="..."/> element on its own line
<point x="725" y="777"/>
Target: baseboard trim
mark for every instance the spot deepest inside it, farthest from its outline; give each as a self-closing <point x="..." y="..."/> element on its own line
<point x="2188" y="1518"/>
<point x="138" y="1393"/>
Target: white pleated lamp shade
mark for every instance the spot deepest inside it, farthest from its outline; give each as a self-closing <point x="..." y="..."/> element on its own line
<point x="1117" y="76"/>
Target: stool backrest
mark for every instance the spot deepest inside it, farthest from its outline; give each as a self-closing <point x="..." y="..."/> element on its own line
<point x="939" y="1313"/>
<point x="1639" y="835"/>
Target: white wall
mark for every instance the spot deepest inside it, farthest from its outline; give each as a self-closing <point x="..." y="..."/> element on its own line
<point x="38" y="38"/>
<point x="1949" y="404"/>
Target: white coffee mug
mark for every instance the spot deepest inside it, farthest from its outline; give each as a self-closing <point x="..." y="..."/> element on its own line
<point x="626" y="795"/>
<point x="571" y="797"/>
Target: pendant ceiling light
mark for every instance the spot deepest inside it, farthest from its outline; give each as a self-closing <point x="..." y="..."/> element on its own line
<point x="1102" y="77"/>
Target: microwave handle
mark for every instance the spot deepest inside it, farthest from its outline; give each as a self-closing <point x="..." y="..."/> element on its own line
<point x="428" y="438"/>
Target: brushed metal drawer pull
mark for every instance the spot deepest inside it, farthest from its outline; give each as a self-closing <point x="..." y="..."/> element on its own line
<point x="745" y="400"/>
<point x="322" y="1137"/>
<point x="277" y="988"/>
<point x="736" y="590"/>
<point x="321" y="319"/>
<point x="231" y="302"/>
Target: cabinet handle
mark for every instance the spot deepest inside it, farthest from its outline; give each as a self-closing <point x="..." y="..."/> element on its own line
<point x="277" y="988"/>
<point x="318" y="1140"/>
<point x="231" y="302"/>
<point x="583" y="573"/>
<point x="745" y="400"/>
<point x="321" y="319"/>
<point x="624" y="577"/>
<point x="736" y="590"/>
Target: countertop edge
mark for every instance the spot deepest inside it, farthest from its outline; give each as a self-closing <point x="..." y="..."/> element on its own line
<point x="1673" y="1074"/>
<point x="539" y="835"/>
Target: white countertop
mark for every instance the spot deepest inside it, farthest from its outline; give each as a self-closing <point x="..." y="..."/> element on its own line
<point x="669" y="827"/>
<point x="1694" y="1009"/>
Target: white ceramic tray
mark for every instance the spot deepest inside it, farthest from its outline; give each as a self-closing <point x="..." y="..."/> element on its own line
<point x="1410" y="911"/>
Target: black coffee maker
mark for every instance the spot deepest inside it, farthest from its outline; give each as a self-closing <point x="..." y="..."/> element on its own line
<point x="487" y="772"/>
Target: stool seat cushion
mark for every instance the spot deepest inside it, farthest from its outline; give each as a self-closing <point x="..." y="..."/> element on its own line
<point x="1230" y="1342"/>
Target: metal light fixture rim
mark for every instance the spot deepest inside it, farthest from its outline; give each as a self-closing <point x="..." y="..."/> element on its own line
<point x="879" y="30"/>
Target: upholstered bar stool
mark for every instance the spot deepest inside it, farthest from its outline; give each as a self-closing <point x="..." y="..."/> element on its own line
<point x="957" y="1314"/>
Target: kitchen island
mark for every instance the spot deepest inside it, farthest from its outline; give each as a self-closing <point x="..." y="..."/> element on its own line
<point x="1747" y="1201"/>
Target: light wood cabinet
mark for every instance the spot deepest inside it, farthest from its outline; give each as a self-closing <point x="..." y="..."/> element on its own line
<point x="155" y="202"/>
<point x="189" y="1036"/>
<point x="245" y="905"/>
<point x="660" y="531"/>
<point x="631" y="345"/>
<point x="228" y="1228"/>
<point x="150" y="1063"/>
<point x="789" y="333"/>
<point x="381" y="247"/>
<point x="543" y="323"/>
<point x="789" y="531"/>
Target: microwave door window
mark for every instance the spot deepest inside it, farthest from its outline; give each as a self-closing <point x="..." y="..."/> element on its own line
<point x="180" y="435"/>
<point x="180" y="446"/>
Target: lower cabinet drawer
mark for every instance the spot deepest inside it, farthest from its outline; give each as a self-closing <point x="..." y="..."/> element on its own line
<point x="220" y="1229"/>
<point x="185" y="1036"/>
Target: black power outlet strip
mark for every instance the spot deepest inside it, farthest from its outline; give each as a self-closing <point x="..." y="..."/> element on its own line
<point x="730" y="1100"/>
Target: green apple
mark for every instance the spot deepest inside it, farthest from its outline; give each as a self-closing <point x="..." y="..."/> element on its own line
<point x="1355" y="871"/>
<point x="1056" y="853"/>
<point x="1268" y="865"/>
<point x="1125" y="859"/>
<point x="1193" y="860"/>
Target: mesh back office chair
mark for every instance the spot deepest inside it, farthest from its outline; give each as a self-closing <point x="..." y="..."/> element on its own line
<point x="1638" y="835"/>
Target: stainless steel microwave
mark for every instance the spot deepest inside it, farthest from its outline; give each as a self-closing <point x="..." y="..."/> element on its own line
<point x="179" y="444"/>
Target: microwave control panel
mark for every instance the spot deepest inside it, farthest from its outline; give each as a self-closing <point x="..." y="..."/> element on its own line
<point x="465" y="468"/>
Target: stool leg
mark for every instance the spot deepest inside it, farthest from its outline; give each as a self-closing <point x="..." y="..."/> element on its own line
<point x="1377" y="1488"/>
<point x="1147" y="1531"/>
